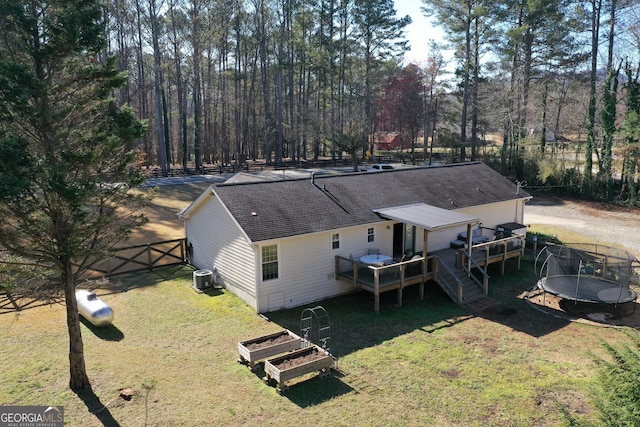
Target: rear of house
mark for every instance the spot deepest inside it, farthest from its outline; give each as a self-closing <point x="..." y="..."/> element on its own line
<point x="274" y="244"/>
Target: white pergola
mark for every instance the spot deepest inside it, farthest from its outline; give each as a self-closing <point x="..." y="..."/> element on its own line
<point x="429" y="218"/>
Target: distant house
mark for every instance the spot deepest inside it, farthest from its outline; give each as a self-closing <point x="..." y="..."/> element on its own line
<point x="389" y="141"/>
<point x="278" y="244"/>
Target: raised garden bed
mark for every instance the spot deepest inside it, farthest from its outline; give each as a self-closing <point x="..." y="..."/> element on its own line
<point x="283" y="368"/>
<point x="252" y="351"/>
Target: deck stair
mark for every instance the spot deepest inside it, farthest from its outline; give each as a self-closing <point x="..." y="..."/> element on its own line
<point x="458" y="283"/>
<point x="460" y="274"/>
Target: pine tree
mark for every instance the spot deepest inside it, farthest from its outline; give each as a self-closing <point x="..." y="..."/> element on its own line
<point x="618" y="389"/>
<point x="66" y="150"/>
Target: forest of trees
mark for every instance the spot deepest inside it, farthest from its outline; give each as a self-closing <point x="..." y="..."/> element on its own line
<point x="227" y="81"/>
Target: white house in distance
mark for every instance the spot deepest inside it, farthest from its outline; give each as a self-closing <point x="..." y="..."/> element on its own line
<point x="276" y="244"/>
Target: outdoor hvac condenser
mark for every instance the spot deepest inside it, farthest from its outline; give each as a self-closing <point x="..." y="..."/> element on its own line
<point x="202" y="279"/>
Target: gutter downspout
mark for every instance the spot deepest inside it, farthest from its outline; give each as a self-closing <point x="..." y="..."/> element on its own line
<point x="469" y="247"/>
<point x="257" y="275"/>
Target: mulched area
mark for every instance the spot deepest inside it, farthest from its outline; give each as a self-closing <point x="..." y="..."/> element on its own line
<point x="622" y="315"/>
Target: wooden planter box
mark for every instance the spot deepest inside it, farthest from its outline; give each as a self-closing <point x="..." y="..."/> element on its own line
<point x="297" y="363"/>
<point x="256" y="349"/>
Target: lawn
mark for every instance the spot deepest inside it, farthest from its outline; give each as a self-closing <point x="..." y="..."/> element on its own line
<point x="428" y="363"/>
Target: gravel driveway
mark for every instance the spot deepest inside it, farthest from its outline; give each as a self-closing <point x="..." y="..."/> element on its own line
<point x="615" y="226"/>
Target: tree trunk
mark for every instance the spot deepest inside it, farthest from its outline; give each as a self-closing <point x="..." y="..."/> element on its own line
<point x="261" y="12"/>
<point x="181" y="89"/>
<point x="155" y="34"/>
<point x="78" y="378"/>
<point x="543" y="124"/>
<point x="167" y="138"/>
<point x="465" y="90"/>
<point x="587" y="187"/>
<point x="196" y="23"/>
<point x="474" y="90"/>
<point x="142" y="83"/>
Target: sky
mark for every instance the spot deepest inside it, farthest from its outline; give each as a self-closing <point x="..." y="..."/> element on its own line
<point x="419" y="32"/>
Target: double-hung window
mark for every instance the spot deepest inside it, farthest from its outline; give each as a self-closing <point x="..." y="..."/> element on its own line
<point x="371" y="237"/>
<point x="335" y="241"/>
<point x="269" y="262"/>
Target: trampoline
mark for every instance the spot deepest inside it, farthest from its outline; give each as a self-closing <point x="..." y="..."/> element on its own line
<point x="586" y="273"/>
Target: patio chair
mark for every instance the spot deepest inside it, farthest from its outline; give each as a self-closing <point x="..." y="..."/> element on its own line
<point x="407" y="255"/>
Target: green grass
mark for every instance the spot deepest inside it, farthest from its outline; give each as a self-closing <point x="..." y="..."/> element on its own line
<point x="428" y="362"/>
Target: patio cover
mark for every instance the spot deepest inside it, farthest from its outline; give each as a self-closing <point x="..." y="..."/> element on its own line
<point x="426" y="216"/>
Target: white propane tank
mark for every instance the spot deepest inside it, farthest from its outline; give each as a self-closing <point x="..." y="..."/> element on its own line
<point x="93" y="308"/>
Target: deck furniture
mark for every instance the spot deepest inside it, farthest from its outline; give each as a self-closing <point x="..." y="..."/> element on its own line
<point x="375" y="259"/>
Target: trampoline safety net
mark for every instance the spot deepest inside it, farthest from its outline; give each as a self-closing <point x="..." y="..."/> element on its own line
<point x="588" y="273"/>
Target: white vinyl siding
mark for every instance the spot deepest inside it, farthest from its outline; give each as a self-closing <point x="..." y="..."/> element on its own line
<point x="495" y="214"/>
<point x="219" y="243"/>
<point x="307" y="266"/>
<point x="490" y="216"/>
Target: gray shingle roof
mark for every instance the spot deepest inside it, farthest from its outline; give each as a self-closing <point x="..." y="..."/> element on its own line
<point x="277" y="209"/>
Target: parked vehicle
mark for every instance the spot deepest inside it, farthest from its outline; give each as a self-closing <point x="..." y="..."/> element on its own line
<point x="381" y="166"/>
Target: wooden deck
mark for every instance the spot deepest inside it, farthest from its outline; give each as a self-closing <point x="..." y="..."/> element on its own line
<point x="500" y="251"/>
<point x="451" y="268"/>
<point x="393" y="276"/>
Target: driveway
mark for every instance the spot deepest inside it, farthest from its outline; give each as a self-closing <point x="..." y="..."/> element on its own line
<point x="615" y="226"/>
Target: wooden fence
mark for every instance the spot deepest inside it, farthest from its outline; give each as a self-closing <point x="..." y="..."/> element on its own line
<point x="145" y="257"/>
<point x="34" y="291"/>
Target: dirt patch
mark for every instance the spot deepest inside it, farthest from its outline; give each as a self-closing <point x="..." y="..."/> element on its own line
<point x="164" y="223"/>
<point x="268" y="342"/>
<point x="299" y="359"/>
<point x="622" y="315"/>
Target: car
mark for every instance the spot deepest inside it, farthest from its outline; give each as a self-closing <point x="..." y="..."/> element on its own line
<point x="381" y="166"/>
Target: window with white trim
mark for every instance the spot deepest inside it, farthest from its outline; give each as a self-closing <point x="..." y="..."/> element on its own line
<point x="335" y="241"/>
<point x="371" y="237"/>
<point x="269" y="262"/>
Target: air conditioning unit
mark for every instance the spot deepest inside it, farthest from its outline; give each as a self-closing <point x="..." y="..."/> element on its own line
<point x="202" y="279"/>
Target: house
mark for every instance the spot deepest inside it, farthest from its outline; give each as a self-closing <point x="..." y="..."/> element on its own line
<point x="280" y="244"/>
<point x="389" y="141"/>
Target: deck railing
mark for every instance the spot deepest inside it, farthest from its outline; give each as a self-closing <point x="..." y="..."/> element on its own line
<point x="394" y="275"/>
<point x="468" y="264"/>
<point x="495" y="251"/>
<point x="398" y="274"/>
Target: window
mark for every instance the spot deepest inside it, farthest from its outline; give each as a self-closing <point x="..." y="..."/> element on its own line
<point x="370" y="235"/>
<point x="335" y="241"/>
<point x="409" y="237"/>
<point x="269" y="262"/>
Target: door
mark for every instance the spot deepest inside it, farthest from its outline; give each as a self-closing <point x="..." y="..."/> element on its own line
<point x="398" y="239"/>
<point x="403" y="239"/>
<point x="409" y="238"/>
